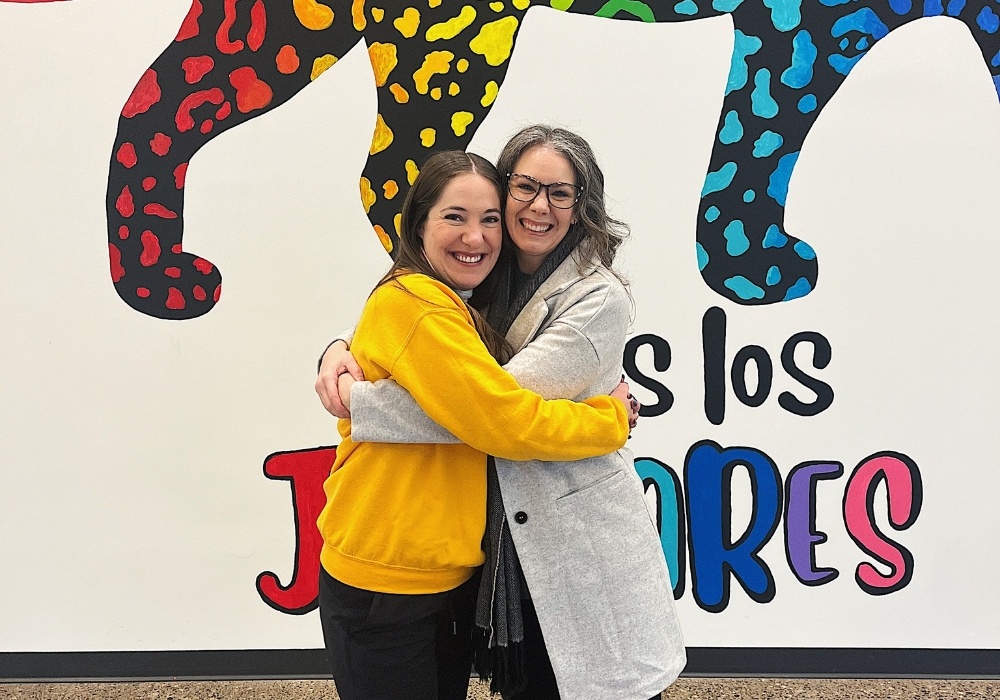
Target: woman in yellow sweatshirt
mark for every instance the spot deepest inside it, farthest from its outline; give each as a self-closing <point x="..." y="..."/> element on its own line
<point x="403" y="523"/>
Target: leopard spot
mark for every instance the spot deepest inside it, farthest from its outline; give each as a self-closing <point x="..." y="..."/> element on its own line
<point x="453" y="27"/>
<point x="312" y="15"/>
<point x="400" y="93"/>
<point x="367" y="194"/>
<point x="383" y="238"/>
<point x="321" y="65"/>
<point x="408" y="23"/>
<point x="460" y="122"/>
<point x="495" y="40"/>
<point x="145" y="94"/>
<point x="382" y="138"/>
<point x="358" y="14"/>
<point x="378" y="14"/>
<point x="287" y="60"/>
<point x="390" y="189"/>
<point x="251" y="92"/>
<point x="384" y="60"/>
<point x="492" y="90"/>
<point x="427" y="137"/>
<point x="435" y="63"/>
<point x="411" y="171"/>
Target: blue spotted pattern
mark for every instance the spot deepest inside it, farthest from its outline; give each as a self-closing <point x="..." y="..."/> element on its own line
<point x="785" y="14"/>
<point x="768" y="143"/>
<point x="720" y="179"/>
<point x="761" y="102"/>
<point x="788" y="60"/>
<point x="742" y="47"/>
<point x="804" y="53"/>
<point x="737" y="242"/>
<point x="732" y="128"/>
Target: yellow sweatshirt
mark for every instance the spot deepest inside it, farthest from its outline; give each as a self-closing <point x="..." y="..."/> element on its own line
<point x="409" y="518"/>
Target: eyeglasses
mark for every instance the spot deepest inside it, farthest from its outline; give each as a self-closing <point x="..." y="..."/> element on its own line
<point x="561" y="195"/>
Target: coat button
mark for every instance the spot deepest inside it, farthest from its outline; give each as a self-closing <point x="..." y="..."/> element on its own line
<point x="520" y="517"/>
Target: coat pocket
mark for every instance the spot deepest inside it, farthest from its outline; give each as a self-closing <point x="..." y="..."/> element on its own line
<point x="606" y="481"/>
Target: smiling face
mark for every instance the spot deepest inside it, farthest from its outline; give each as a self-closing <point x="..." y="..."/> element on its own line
<point x="537" y="227"/>
<point x="462" y="234"/>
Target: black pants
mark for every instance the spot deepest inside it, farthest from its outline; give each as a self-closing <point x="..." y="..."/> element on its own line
<point x="385" y="646"/>
<point x="538" y="670"/>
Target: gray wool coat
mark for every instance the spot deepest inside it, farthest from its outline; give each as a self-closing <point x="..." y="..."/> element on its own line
<point x="589" y="548"/>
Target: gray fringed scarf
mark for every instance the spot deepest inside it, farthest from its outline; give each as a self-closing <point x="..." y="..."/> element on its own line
<point x="500" y="657"/>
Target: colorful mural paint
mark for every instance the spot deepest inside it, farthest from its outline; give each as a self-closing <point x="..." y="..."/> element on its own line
<point x="438" y="70"/>
<point x="694" y="511"/>
<point x="694" y="520"/>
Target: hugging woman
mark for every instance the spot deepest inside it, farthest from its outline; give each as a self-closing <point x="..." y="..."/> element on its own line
<point x="575" y="600"/>
<point x="403" y="524"/>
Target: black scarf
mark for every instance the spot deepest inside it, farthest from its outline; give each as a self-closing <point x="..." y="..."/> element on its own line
<point x="499" y="653"/>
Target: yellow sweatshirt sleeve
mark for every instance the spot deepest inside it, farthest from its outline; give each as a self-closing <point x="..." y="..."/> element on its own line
<point x="445" y="366"/>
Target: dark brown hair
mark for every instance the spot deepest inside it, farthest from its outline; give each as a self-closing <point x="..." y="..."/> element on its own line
<point x="439" y="170"/>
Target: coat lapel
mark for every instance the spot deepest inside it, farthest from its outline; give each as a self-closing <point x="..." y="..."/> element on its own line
<point x="533" y="315"/>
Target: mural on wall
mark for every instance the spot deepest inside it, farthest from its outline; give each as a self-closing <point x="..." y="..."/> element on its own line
<point x="438" y="70"/>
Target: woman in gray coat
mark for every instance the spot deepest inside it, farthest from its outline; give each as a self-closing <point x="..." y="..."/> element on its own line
<point x="575" y="581"/>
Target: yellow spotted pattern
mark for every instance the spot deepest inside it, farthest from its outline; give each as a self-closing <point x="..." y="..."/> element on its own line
<point x="358" y="14"/>
<point x="469" y="35"/>
<point x="396" y="221"/>
<point x="460" y="122"/>
<point x="367" y="194"/>
<point x="383" y="238"/>
<point x="382" y="138"/>
<point x="435" y="63"/>
<point x="411" y="171"/>
<point x="495" y="40"/>
<point x="312" y="15"/>
<point x="408" y="23"/>
<point x="492" y="90"/>
<point x="400" y="93"/>
<point x="321" y="65"/>
<point x="383" y="58"/>
<point x="453" y="27"/>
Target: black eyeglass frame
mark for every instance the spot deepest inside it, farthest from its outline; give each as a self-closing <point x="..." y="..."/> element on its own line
<point x="576" y="188"/>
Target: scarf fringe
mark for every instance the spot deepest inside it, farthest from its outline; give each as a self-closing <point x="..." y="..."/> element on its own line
<point x="503" y="667"/>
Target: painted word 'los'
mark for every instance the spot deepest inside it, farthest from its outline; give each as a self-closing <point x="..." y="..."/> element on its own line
<point x="713" y="334"/>
<point x="694" y="520"/>
<point x="697" y="519"/>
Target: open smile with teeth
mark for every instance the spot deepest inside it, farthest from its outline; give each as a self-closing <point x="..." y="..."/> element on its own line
<point x="535" y="228"/>
<point x="468" y="258"/>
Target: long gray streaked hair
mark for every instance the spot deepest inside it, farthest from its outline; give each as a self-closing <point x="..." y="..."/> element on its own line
<point x="600" y="234"/>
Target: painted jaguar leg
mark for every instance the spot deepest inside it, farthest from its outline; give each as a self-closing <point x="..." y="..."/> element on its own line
<point x="744" y="251"/>
<point x="432" y="96"/>
<point x="232" y="60"/>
